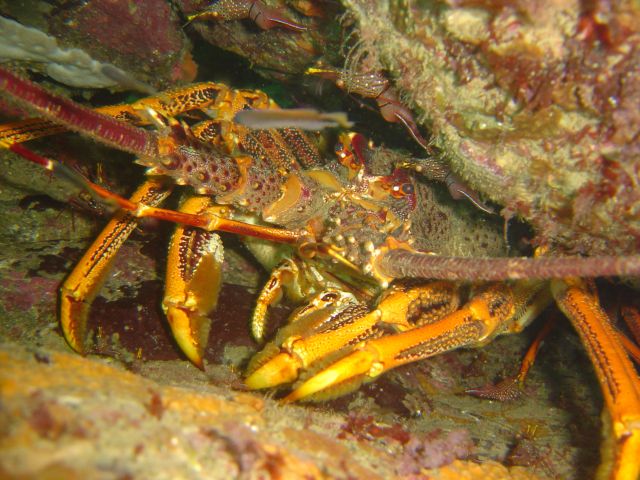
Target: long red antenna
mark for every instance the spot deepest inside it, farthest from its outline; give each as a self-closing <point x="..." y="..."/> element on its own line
<point x="78" y="118"/>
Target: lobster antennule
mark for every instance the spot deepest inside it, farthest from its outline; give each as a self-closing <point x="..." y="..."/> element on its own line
<point x="402" y="263"/>
<point x="78" y="118"/>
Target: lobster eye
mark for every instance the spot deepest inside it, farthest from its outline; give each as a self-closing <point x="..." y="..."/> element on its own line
<point x="339" y="147"/>
<point x="330" y="297"/>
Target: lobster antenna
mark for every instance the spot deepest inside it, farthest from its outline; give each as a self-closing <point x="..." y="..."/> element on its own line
<point x="78" y="118"/>
<point x="399" y="263"/>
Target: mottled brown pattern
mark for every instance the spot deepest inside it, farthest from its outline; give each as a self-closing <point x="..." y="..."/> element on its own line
<point x="464" y="334"/>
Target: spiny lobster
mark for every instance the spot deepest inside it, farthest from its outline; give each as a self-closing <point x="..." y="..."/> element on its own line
<point x="338" y="238"/>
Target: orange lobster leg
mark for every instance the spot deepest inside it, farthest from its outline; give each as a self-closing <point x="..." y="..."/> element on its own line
<point x="512" y="387"/>
<point x="303" y="344"/>
<point x="84" y="282"/>
<point x="499" y="309"/>
<point x="298" y="280"/>
<point x="287" y="273"/>
<point x="169" y="104"/>
<point x="309" y="337"/>
<point x="631" y="317"/>
<point x="617" y="376"/>
<point x="193" y="280"/>
<point x="30" y="129"/>
<point x="217" y="99"/>
<point x="632" y="348"/>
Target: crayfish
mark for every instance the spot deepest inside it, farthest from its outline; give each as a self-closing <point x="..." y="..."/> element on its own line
<point x="346" y="241"/>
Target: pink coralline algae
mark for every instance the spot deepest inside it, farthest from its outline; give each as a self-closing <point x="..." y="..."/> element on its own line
<point x="141" y="20"/>
<point x="435" y="449"/>
<point x="133" y="35"/>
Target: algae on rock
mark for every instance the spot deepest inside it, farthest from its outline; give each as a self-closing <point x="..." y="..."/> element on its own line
<point x="535" y="105"/>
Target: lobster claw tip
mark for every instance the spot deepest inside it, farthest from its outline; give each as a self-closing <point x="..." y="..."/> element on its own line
<point x="190" y="333"/>
<point x="283" y="368"/>
<point x="354" y="365"/>
<point x="191" y="350"/>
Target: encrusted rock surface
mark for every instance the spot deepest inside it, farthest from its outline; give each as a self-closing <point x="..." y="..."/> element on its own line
<point x="144" y="39"/>
<point x="535" y="105"/>
<point x="64" y="416"/>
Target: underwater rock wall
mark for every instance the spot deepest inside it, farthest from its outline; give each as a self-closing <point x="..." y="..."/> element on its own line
<point x="144" y="39"/>
<point x="536" y="105"/>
